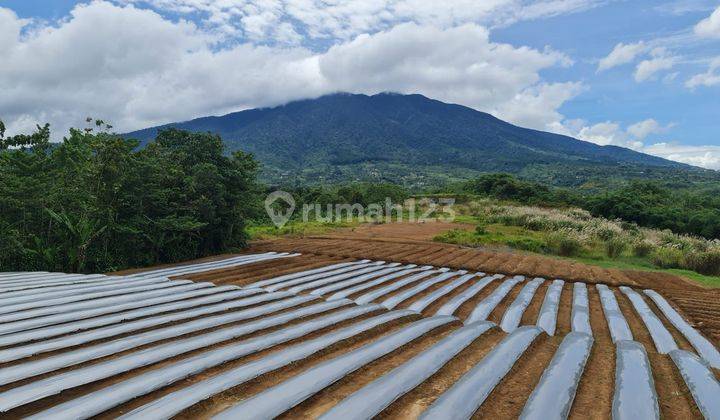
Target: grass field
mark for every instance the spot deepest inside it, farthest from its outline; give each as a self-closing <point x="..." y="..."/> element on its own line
<point x="504" y="237"/>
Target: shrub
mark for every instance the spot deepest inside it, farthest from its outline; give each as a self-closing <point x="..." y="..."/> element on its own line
<point x="664" y="257"/>
<point x="528" y="244"/>
<point x="458" y="236"/>
<point x="605" y="234"/>
<point x="562" y="244"/>
<point x="480" y="229"/>
<point x="614" y="247"/>
<point x="643" y="248"/>
<point x="707" y="262"/>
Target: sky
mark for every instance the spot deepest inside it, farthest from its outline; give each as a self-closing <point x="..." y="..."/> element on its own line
<point x="638" y="74"/>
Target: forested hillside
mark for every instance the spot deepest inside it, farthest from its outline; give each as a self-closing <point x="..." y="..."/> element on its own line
<point x="417" y="142"/>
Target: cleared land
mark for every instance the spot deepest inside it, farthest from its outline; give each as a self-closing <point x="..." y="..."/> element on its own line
<point x="337" y="327"/>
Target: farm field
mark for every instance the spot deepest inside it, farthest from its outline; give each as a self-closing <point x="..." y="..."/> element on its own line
<point x="339" y="327"/>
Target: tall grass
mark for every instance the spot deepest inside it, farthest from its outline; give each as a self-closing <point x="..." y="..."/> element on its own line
<point x="572" y="231"/>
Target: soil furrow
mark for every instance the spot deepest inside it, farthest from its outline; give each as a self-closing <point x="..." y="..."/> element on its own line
<point x="510" y="395"/>
<point x="673" y="396"/>
<point x="330" y="396"/>
<point x="593" y="398"/>
<point x="412" y="404"/>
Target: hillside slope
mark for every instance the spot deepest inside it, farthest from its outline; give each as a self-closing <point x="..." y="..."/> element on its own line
<point x="411" y="138"/>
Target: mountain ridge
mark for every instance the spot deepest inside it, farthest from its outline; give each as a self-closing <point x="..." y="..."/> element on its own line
<point x="365" y="137"/>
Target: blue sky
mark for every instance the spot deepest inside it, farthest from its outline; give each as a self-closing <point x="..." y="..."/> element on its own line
<point x="644" y="75"/>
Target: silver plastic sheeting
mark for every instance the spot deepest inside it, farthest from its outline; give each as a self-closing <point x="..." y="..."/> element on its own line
<point x="214" y="265"/>
<point x="64" y="281"/>
<point x="20" y="352"/>
<point x="178" y="294"/>
<point x="426" y="301"/>
<point x="326" y="269"/>
<point x="552" y="398"/>
<point x="635" y="396"/>
<point x="82" y="286"/>
<point x="619" y="328"/>
<point x="44" y="280"/>
<point x="701" y="382"/>
<point x="362" y="280"/>
<point x="52" y="385"/>
<point x="344" y="274"/>
<point x="49" y="364"/>
<point x="394" y="301"/>
<point x="21" y="274"/>
<point x="547" y="319"/>
<point x="370" y="400"/>
<point x="451" y="306"/>
<point x="40" y="298"/>
<point x="148" y="292"/>
<point x="664" y="341"/>
<point x="282" y="397"/>
<point x="177" y="401"/>
<point x="209" y="265"/>
<point x="470" y="391"/>
<point x="513" y="315"/>
<point x="48" y="280"/>
<point x="106" y="398"/>
<point x="76" y="297"/>
<point x="485" y="307"/>
<point x="186" y="300"/>
<point x="580" y="317"/>
<point x="705" y="348"/>
<point x="370" y="284"/>
<point x="374" y="294"/>
<point x="324" y="282"/>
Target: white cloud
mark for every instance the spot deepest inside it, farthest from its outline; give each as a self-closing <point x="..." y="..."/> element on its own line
<point x="710" y="26"/>
<point x="710" y="78"/>
<point x="259" y="19"/>
<point x="608" y="133"/>
<point x="681" y="7"/>
<point x="537" y="106"/>
<point x="703" y="156"/>
<point x="660" y="61"/>
<point x="612" y="133"/>
<point x="90" y="65"/>
<point x="621" y="54"/>
<point x="642" y="129"/>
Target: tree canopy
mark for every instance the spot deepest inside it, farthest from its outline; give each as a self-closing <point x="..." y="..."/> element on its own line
<point x="96" y="202"/>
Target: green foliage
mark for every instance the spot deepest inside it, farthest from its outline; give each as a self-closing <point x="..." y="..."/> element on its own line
<point x="667" y="257"/>
<point x="652" y="205"/>
<point x="508" y="187"/>
<point x="693" y="211"/>
<point x="707" y="262"/>
<point x="96" y="203"/>
<point x="615" y="246"/>
<point x="528" y="244"/>
<point x="643" y="248"/>
<point x="560" y="243"/>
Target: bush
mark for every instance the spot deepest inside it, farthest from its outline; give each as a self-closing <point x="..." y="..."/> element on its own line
<point x="643" y="248"/>
<point x="528" y="244"/>
<point x="564" y="245"/>
<point x="707" y="262"/>
<point x="480" y="230"/>
<point x="667" y="257"/>
<point x="458" y="237"/>
<point x="614" y="247"/>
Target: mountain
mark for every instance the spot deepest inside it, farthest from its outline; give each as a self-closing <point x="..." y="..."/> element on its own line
<point x="414" y="140"/>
